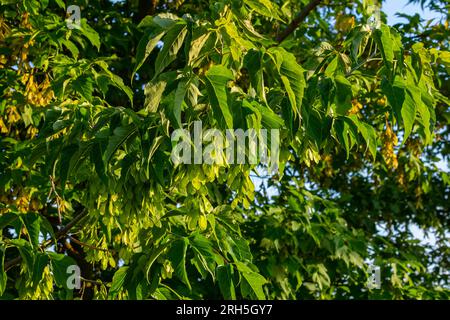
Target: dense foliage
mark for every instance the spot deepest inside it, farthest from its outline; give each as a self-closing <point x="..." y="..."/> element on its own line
<point x="86" y="177"/>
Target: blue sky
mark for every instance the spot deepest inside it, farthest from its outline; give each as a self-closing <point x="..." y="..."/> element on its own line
<point x="391" y="7"/>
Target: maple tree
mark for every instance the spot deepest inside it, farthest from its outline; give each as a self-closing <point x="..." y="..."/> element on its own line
<point x="87" y="180"/>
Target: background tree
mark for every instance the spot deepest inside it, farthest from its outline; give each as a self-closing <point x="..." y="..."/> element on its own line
<point x="86" y="178"/>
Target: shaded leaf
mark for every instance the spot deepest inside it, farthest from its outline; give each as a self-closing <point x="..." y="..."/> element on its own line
<point x="217" y="79"/>
<point x="177" y="256"/>
<point x="145" y="47"/>
<point x="60" y="264"/>
<point x="172" y="44"/>
<point x="225" y="279"/>
<point x="118" y="281"/>
<point x="119" y="137"/>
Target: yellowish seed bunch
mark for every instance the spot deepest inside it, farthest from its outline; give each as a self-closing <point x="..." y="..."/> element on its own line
<point x="23" y="203"/>
<point x="4" y="200"/>
<point x="25" y="23"/>
<point x="38" y="94"/>
<point x="381" y="102"/>
<point x="356" y="107"/>
<point x="344" y="23"/>
<point x="32" y="131"/>
<point x="327" y="160"/>
<point x="4" y="29"/>
<point x="3" y="128"/>
<point x="29" y="44"/>
<point x="167" y="270"/>
<point x="390" y="140"/>
<point x="3" y="61"/>
<point x="20" y="48"/>
<point x="418" y="196"/>
<point x="401" y="178"/>
<point x="20" y="52"/>
<point x="12" y="115"/>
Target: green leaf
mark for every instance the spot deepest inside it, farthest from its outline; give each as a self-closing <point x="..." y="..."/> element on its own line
<point x="408" y="114"/>
<point x="320" y="276"/>
<point x="90" y="33"/>
<point x="385" y="43"/>
<point x="217" y="79"/>
<point x="106" y="78"/>
<point x="71" y="47"/>
<point x="389" y="42"/>
<point x="84" y="86"/>
<point x="172" y="44"/>
<point x="177" y="256"/>
<point x="196" y="46"/>
<point x="153" y="93"/>
<point x="240" y="42"/>
<point x="60" y="264"/>
<point x="103" y="81"/>
<point x="32" y="223"/>
<point x="31" y="6"/>
<point x="395" y="94"/>
<point x="7" y="218"/>
<point x="269" y="119"/>
<point x="155" y="145"/>
<point x="205" y="252"/>
<point x="253" y="64"/>
<point x="178" y="101"/>
<point x="343" y="97"/>
<point x="26" y="252"/>
<point x="118" y="82"/>
<point x="153" y="256"/>
<point x="162" y="20"/>
<point x="404" y="103"/>
<point x="256" y="282"/>
<point x="46" y="228"/>
<point x="225" y="279"/>
<point x="60" y="3"/>
<point x="265" y="8"/>
<point x="345" y="134"/>
<point x="40" y="262"/>
<point x="3" y="275"/>
<point x="96" y="158"/>
<point x="368" y="133"/>
<point x="292" y="76"/>
<point x="119" y="137"/>
<point x="145" y="47"/>
<point x="118" y="280"/>
<point x="317" y="126"/>
<point x="425" y="111"/>
<point x="67" y="154"/>
<point x="253" y="279"/>
<point x="240" y="248"/>
<point x="44" y="4"/>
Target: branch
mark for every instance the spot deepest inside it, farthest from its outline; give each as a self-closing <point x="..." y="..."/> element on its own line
<point x="83" y="244"/>
<point x="146" y="7"/>
<point x="60" y="234"/>
<point x="11" y="263"/>
<point x="71" y="224"/>
<point x="298" y="19"/>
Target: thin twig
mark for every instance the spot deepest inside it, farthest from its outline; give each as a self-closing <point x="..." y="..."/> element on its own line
<point x="89" y="246"/>
<point x="98" y="281"/>
<point x="369" y="58"/>
<point x="60" y="234"/>
<point x="58" y="198"/>
<point x="298" y="19"/>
